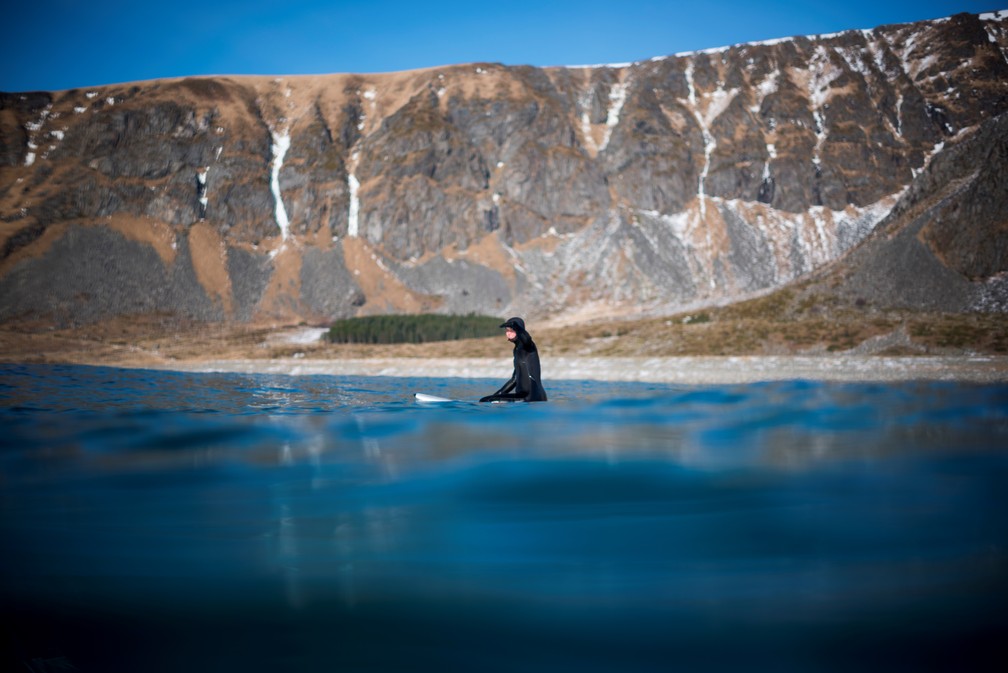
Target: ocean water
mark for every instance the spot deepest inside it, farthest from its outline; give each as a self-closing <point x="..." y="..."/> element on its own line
<point x="159" y="521"/>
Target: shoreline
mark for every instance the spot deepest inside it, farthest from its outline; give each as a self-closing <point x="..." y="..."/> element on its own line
<point x="691" y="370"/>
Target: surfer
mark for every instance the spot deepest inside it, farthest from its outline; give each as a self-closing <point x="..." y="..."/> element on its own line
<point x="524" y="383"/>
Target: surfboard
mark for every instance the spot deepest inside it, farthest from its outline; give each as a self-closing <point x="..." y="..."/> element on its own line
<point x="424" y="398"/>
<point x="430" y="399"/>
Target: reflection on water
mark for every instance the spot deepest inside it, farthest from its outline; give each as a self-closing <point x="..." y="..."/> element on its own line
<point x="160" y="521"/>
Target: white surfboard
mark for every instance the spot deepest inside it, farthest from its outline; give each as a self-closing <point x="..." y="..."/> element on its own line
<point x="431" y="399"/>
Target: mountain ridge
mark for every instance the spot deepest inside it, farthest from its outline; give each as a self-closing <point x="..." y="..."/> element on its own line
<point x="656" y="185"/>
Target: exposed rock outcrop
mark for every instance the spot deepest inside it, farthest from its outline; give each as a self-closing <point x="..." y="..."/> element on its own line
<point x="944" y="246"/>
<point x="696" y="177"/>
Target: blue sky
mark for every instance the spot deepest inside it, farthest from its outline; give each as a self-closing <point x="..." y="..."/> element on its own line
<point x="53" y="45"/>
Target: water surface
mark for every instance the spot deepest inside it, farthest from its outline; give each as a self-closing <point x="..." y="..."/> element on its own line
<point x="161" y="521"/>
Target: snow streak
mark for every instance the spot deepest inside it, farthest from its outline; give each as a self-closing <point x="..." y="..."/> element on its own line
<point x="617" y="97"/>
<point x="717" y="102"/>
<point x="353" y="226"/>
<point x="989" y="26"/>
<point x="353" y="186"/>
<point x="33" y="128"/>
<point x="823" y="74"/>
<point x="201" y="178"/>
<point x="709" y="142"/>
<point x="771" y="155"/>
<point x="281" y="143"/>
<point x="586" y="129"/>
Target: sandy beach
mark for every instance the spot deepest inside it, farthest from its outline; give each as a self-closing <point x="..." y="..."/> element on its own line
<point x="683" y="370"/>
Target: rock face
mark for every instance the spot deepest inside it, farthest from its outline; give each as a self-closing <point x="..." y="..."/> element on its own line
<point x="944" y="246"/>
<point x="692" y="178"/>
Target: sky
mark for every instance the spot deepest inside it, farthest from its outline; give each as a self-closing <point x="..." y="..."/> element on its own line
<point x="62" y="44"/>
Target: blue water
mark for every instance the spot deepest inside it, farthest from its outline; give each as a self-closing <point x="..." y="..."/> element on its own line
<point x="156" y="521"/>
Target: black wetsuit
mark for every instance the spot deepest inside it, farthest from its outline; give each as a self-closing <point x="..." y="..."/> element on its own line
<point x="525" y="383"/>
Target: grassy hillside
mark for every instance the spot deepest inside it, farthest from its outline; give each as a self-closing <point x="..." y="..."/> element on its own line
<point x="790" y="321"/>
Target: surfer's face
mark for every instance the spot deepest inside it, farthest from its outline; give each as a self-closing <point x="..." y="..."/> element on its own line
<point x="510" y="333"/>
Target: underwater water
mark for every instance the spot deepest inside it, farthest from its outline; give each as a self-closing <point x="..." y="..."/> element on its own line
<point x="160" y="521"/>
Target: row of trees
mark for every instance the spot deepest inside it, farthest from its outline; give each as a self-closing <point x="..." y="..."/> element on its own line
<point x="389" y="329"/>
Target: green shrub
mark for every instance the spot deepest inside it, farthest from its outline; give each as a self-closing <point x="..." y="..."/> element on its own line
<point x="390" y="329"/>
<point x="700" y="318"/>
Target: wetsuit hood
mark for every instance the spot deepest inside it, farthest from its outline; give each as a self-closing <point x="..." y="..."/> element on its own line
<point x="516" y="324"/>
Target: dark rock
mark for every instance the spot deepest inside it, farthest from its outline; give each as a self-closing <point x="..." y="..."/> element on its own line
<point x="750" y="257"/>
<point x="465" y="287"/>
<point x="946" y="238"/>
<point x="250" y="273"/>
<point x="327" y="288"/>
<point x="93" y="272"/>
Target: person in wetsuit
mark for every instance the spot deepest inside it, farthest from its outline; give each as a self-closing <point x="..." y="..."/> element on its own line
<point x="525" y="383"/>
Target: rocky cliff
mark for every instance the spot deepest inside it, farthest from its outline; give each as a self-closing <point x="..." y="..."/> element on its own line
<point x="680" y="180"/>
<point x="944" y="246"/>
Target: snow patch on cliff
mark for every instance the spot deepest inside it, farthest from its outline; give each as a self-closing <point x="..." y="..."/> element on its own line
<point x="617" y="97"/>
<point x="705" y="112"/>
<point x="614" y="66"/>
<point x="771" y="155"/>
<point x="797" y="242"/>
<point x="281" y="143"/>
<point x="201" y="190"/>
<point x="353" y="215"/>
<point x="992" y="26"/>
<point x="353" y="185"/>
<point x="586" y="132"/>
<point x="33" y="127"/>
<point x="586" y="125"/>
<point x="822" y="73"/>
<point x="718" y="101"/>
<point x="709" y="142"/>
<point x="856" y="59"/>
<point x="370" y="94"/>
<point x="765" y="88"/>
